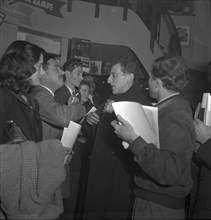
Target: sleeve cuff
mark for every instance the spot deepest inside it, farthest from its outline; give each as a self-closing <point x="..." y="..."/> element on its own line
<point x="137" y="145"/>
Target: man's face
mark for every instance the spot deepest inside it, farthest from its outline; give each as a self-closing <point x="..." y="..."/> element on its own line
<point x="91" y="82"/>
<point x="34" y="79"/>
<point x="152" y="82"/>
<point x="75" y="76"/>
<point x="119" y="81"/>
<point x="84" y="90"/>
<point x="54" y="75"/>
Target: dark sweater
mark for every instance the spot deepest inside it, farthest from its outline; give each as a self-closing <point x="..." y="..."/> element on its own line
<point x="25" y="115"/>
<point x="165" y="176"/>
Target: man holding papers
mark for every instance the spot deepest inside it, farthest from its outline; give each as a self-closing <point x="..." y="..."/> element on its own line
<point x="164" y="180"/>
<point x="109" y="194"/>
<point x="55" y="116"/>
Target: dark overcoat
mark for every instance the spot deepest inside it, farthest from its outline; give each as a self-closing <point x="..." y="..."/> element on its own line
<point x="110" y="178"/>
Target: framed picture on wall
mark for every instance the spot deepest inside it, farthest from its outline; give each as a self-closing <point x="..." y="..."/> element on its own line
<point x="95" y="67"/>
<point x="80" y="48"/>
<point x="184" y="34"/>
<point x="106" y="66"/>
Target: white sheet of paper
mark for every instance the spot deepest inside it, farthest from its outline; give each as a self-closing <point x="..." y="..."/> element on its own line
<point x="207" y="115"/>
<point x="152" y="114"/>
<point x="93" y="109"/>
<point x="196" y="114"/>
<point x="145" y="125"/>
<point x="70" y="134"/>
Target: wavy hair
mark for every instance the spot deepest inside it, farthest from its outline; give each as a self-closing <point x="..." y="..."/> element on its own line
<point x="172" y="71"/>
<point x="129" y="65"/>
<point x="17" y="65"/>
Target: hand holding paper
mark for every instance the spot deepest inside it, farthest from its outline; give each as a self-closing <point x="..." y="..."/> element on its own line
<point x="203" y="110"/>
<point x="143" y="119"/>
<point x="69" y="155"/>
<point x="69" y="136"/>
<point x="93" y="109"/>
<point x="124" y="130"/>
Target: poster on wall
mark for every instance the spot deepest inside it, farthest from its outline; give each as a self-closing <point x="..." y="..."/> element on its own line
<point x="95" y="67"/>
<point x="80" y="48"/>
<point x="184" y="34"/>
<point x="106" y="66"/>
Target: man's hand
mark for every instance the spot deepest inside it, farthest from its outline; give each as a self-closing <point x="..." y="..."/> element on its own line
<point x="68" y="155"/>
<point x="108" y="106"/>
<point x="203" y="132"/>
<point x="124" y="130"/>
<point x="74" y="99"/>
<point x="92" y="118"/>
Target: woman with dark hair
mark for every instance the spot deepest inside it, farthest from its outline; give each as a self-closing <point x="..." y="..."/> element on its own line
<point x="19" y="70"/>
<point x="32" y="170"/>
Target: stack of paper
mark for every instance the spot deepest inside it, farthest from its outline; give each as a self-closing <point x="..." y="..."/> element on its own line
<point x="144" y="120"/>
<point x="69" y="136"/>
<point x="203" y="110"/>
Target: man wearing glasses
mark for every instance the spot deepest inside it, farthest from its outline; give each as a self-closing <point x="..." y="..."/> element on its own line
<point x="55" y="116"/>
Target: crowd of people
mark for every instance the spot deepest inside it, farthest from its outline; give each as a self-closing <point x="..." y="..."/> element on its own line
<point x="99" y="178"/>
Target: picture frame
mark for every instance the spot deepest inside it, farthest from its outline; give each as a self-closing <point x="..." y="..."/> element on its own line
<point x="184" y="32"/>
<point x="95" y="67"/>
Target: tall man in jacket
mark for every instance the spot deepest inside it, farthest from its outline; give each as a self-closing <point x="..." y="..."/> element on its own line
<point x="165" y="177"/>
<point x="108" y="194"/>
<point x="55" y="116"/>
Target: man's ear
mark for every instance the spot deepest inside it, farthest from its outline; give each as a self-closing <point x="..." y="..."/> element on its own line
<point x="159" y="83"/>
<point x="131" y="77"/>
<point x="67" y="72"/>
<point x="42" y="73"/>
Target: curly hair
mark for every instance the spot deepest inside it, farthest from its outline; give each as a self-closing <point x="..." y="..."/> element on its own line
<point x="17" y="65"/>
<point x="71" y="64"/>
<point x="129" y="65"/>
<point x="172" y="71"/>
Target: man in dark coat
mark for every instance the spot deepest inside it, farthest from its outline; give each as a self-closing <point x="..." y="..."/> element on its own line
<point x="108" y="194"/>
<point x="200" y="206"/>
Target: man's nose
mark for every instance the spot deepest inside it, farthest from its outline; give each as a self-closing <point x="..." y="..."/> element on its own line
<point x="109" y="79"/>
<point x="61" y="72"/>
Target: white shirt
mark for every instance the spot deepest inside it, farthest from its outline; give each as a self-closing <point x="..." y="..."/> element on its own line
<point x="177" y="93"/>
<point x="48" y="90"/>
<point x="71" y="91"/>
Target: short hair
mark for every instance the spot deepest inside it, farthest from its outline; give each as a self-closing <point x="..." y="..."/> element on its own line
<point x="71" y="64"/>
<point x="172" y="71"/>
<point x="128" y="65"/>
<point x="17" y="65"/>
<point x="83" y="82"/>
<point x="46" y="58"/>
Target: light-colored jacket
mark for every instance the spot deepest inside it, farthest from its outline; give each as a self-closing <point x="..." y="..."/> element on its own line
<point x="55" y="116"/>
<point x="30" y="178"/>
